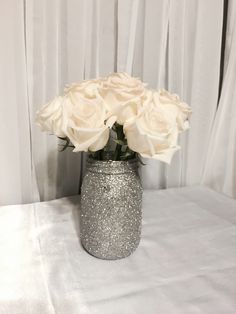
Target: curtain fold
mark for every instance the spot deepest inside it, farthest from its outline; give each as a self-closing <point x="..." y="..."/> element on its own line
<point x="15" y="148"/>
<point x="195" y="31"/>
<point x="220" y="167"/>
<point x="168" y="44"/>
<point x="154" y="64"/>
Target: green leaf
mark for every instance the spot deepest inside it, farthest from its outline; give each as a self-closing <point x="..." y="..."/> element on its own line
<point x="119" y="142"/>
<point x="126" y="155"/>
<point x="62" y="138"/>
<point x="140" y="160"/>
<point x="67" y="144"/>
<point x="72" y="146"/>
<point x="124" y="148"/>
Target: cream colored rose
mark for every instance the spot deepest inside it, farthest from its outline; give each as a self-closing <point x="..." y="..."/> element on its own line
<point x="165" y="97"/>
<point x="122" y="95"/>
<point x="154" y="132"/>
<point x="84" y="119"/>
<point x="88" y="88"/>
<point x="49" y="117"/>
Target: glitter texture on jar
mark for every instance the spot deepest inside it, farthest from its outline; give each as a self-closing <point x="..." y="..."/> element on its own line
<point x="111" y="208"/>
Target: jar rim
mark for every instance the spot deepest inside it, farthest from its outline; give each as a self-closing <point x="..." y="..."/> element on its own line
<point x="112" y="166"/>
<point x="92" y="160"/>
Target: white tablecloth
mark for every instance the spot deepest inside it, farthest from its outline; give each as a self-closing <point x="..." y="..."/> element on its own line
<point x="186" y="261"/>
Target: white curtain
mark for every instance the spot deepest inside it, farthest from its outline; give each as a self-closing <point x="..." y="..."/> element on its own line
<point x="16" y="167"/>
<point x="220" y="169"/>
<point x="47" y="44"/>
<point x="182" y="48"/>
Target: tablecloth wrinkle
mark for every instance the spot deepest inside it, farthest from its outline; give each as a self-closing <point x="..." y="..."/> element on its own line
<point x="185" y="263"/>
<point x="42" y="268"/>
<point x="58" y="255"/>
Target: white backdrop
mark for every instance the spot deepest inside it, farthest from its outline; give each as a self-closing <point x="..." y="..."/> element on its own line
<point x="172" y="44"/>
<point x="220" y="169"/>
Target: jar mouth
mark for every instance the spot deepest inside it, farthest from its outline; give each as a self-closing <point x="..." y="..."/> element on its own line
<point x="112" y="166"/>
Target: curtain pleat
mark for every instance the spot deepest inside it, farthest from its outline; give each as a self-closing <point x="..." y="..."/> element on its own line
<point x="49" y="36"/>
<point x="220" y="167"/>
<point x="193" y="72"/>
<point x="15" y="148"/>
<point x="154" y="44"/>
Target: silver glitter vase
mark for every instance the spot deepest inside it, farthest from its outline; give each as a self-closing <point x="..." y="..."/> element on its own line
<point x="111" y="213"/>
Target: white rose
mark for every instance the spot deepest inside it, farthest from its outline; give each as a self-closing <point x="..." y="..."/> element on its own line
<point x="88" y="88"/>
<point x="122" y="95"/>
<point x="49" y="117"/>
<point x="165" y="97"/>
<point x="84" y="118"/>
<point x="154" y="132"/>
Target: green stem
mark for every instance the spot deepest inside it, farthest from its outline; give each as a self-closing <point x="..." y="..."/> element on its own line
<point x="120" y="136"/>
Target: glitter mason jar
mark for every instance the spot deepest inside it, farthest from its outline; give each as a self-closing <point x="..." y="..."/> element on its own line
<point x="111" y="208"/>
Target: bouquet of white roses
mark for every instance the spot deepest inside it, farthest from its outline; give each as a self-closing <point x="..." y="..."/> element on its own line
<point x="116" y="117"/>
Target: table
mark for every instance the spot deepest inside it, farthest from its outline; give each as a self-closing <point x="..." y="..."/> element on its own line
<point x="186" y="261"/>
